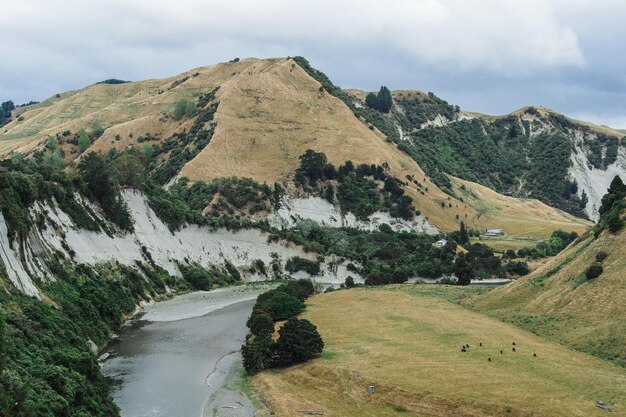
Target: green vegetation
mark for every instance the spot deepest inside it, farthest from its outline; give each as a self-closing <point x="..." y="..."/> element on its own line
<point x="113" y="81"/>
<point x="48" y="368"/>
<point x="184" y="108"/>
<point x="613" y="204"/>
<point x="421" y="109"/>
<point x="183" y="147"/>
<point x="234" y="194"/>
<point x="381" y="101"/>
<point x="298" y="340"/>
<point x="499" y="155"/>
<point x="102" y="188"/>
<point x="6" y="108"/>
<point x="373" y="117"/>
<point x="204" y="279"/>
<point x="83" y="140"/>
<point x="297" y="263"/>
<point x="358" y="189"/>
<point x="594" y="271"/>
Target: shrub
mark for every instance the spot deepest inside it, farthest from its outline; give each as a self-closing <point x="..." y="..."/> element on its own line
<point x="281" y="305"/>
<point x="198" y="277"/>
<point x="601" y="256"/>
<point x="297" y="263"/>
<point x="299" y="341"/>
<point x="301" y="289"/>
<point x="184" y="108"/>
<point x="259" y="354"/>
<point x="349" y="282"/>
<point x="261" y="324"/>
<point x="594" y="271"/>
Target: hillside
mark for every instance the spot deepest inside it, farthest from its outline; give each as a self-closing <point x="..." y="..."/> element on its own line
<point x="253" y="118"/>
<point x="558" y="302"/>
<point x="410" y="351"/>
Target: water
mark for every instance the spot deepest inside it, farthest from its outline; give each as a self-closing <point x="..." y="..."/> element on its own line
<point x="160" y="368"/>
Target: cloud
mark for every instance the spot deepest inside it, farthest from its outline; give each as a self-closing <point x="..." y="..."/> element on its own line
<point x="51" y="45"/>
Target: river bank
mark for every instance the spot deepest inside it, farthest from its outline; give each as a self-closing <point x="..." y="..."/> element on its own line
<point x="180" y="357"/>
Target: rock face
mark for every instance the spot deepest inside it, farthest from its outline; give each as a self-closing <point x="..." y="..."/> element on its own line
<point x="322" y="212"/>
<point x="594" y="181"/>
<point x="195" y="244"/>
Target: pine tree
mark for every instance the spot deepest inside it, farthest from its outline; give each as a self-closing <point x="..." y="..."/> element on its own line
<point x="371" y="101"/>
<point x="463" y="236"/>
<point x="384" y="99"/>
<point x="584" y="199"/>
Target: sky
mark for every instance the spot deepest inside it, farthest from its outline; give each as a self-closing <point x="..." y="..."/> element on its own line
<point x="490" y="56"/>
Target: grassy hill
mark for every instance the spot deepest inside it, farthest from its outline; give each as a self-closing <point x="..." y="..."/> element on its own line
<point x="409" y="349"/>
<point x="270" y="112"/>
<point x="558" y="302"/>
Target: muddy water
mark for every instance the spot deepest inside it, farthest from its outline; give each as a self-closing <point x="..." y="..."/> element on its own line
<point x="160" y="368"/>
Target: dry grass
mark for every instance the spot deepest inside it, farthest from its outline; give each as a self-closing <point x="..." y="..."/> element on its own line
<point x="270" y="112"/>
<point x="407" y="344"/>
<point x="522" y="218"/>
<point x="557" y="301"/>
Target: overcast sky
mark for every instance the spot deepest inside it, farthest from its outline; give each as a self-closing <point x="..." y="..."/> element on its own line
<point x="492" y="56"/>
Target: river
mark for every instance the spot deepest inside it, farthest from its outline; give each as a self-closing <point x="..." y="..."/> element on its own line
<point x="174" y="359"/>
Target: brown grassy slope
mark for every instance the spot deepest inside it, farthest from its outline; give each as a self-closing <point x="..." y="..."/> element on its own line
<point x="270" y="112"/>
<point x="558" y="302"/>
<point x="518" y="217"/>
<point x="407" y="344"/>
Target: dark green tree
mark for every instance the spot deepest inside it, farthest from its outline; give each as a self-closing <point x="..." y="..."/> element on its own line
<point x="462" y="270"/>
<point x="258" y="354"/>
<point x="384" y="99"/>
<point x="371" y="101"/>
<point x="349" y="283"/>
<point x="463" y="236"/>
<point x="299" y="341"/>
<point x="282" y="306"/>
<point x="261" y="324"/>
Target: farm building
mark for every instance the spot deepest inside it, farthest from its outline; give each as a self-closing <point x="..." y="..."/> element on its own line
<point x="494" y="232"/>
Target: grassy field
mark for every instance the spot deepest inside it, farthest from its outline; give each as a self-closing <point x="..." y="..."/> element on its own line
<point x="502" y="245"/>
<point x="406" y="341"/>
<point x="558" y="302"/>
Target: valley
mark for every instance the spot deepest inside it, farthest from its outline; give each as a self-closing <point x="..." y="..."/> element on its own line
<point x="160" y="210"/>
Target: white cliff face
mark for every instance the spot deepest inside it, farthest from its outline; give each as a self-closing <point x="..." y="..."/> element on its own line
<point x="194" y="244"/>
<point x="595" y="182"/>
<point x="14" y="268"/>
<point x="317" y="209"/>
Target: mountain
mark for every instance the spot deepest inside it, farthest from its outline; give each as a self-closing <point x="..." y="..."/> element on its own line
<point x="254" y="119"/>
<point x="563" y="302"/>
<point x="123" y="193"/>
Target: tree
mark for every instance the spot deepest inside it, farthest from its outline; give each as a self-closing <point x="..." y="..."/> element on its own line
<point x="3" y="336"/>
<point x="384" y="99"/>
<point x="184" y="108"/>
<point x="7" y="107"/>
<point x="259" y="354"/>
<point x="301" y="288"/>
<point x="312" y="165"/>
<point x="462" y="270"/>
<point x="463" y="236"/>
<point x="584" y="199"/>
<point x="97" y="129"/>
<point x="594" y="271"/>
<point x="97" y="175"/>
<point x="371" y="101"/>
<point x="282" y="306"/>
<point x="349" y="282"/>
<point x="299" y="341"/>
<point x="261" y="324"/>
<point x="83" y="140"/>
